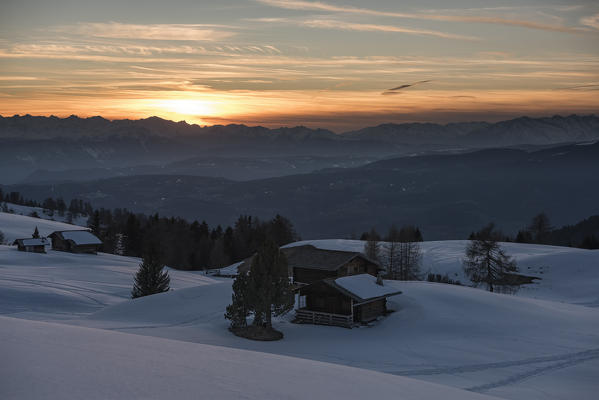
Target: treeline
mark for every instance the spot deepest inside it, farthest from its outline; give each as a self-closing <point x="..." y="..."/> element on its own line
<point x="183" y="244"/>
<point x="50" y="205"/>
<point x="584" y="234"/>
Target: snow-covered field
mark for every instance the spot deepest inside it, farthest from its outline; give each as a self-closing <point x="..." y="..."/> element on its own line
<point x="541" y="344"/>
<point x="50" y="361"/>
<point x="17" y="226"/>
<point x="43" y="220"/>
<point x="566" y="274"/>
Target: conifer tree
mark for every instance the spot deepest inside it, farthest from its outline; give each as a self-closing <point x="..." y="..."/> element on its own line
<point x="151" y="277"/>
<point x="239" y="309"/>
<point x="36" y="234"/>
<point x="270" y="290"/>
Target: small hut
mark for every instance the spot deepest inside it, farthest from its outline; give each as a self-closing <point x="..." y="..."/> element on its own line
<point x="80" y="241"/>
<point x="32" y="245"/>
<point x="344" y="301"/>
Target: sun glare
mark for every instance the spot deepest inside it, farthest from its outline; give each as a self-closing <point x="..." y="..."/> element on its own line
<point x="195" y="108"/>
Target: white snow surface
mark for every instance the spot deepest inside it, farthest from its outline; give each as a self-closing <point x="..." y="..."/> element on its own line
<point x="81" y="237"/>
<point x="52" y="361"/>
<point x="364" y="286"/>
<point x="61" y="285"/>
<point x="15" y="226"/>
<point x="80" y="220"/>
<point x="566" y="274"/>
<point x="541" y="344"/>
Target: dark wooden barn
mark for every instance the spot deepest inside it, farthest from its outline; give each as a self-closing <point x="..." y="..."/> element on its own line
<point x="81" y="241"/>
<point x="308" y="264"/>
<point x="33" y="245"/>
<point x="344" y="301"/>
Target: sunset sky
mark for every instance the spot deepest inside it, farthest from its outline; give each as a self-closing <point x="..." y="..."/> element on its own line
<point x="339" y="64"/>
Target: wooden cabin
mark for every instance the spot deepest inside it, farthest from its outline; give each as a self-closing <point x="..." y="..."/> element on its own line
<point x="308" y="264"/>
<point x="32" y="245"/>
<point x="80" y="241"/>
<point x="345" y="301"/>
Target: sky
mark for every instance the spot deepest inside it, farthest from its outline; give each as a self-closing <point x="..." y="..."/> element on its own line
<point x="337" y="64"/>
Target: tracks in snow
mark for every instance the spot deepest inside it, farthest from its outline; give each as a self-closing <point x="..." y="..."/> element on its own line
<point x="557" y="362"/>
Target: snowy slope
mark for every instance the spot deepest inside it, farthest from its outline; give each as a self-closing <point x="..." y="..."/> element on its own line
<point x="515" y="347"/>
<point x="51" y="361"/>
<point x="16" y="226"/>
<point x="567" y="274"/>
<point x="63" y="285"/>
<point x="80" y="220"/>
<point x="458" y="336"/>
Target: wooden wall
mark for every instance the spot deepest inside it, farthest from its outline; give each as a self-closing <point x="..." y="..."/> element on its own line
<point x="370" y="311"/>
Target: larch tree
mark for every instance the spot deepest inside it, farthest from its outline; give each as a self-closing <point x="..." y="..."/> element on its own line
<point x="486" y="262"/>
<point x="372" y="248"/>
<point x="151" y="277"/>
<point x="402" y="253"/>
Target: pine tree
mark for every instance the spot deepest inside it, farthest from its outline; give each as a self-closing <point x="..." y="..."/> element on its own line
<point x="486" y="262"/>
<point x="36" y="234"/>
<point x="270" y="290"/>
<point x="540" y="228"/>
<point x="239" y="309"/>
<point x="151" y="277"/>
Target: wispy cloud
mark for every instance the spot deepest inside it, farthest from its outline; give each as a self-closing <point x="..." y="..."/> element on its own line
<point x="591" y="21"/>
<point x="397" y="89"/>
<point x="350" y="26"/>
<point x="321" y="6"/>
<point x="116" y="30"/>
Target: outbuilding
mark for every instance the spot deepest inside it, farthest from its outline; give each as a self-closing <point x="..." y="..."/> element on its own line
<point x="344" y="301"/>
<point x="32" y="245"/>
<point x="78" y="241"/>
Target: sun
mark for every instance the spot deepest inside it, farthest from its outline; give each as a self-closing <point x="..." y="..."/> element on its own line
<point x="189" y="107"/>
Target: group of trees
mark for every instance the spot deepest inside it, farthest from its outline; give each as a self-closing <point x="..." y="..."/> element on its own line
<point x="584" y="234"/>
<point x="401" y="254"/>
<point x="187" y="245"/>
<point x="50" y="205"/>
<point x="262" y="292"/>
<point x="485" y="262"/>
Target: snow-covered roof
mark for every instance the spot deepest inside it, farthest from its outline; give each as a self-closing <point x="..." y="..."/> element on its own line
<point x="365" y="287"/>
<point x="32" y="241"/>
<point x="81" y="237"/>
<point x="311" y="257"/>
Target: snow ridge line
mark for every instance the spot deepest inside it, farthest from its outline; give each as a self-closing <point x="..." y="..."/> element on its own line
<point x="566" y="358"/>
<point x="576" y="358"/>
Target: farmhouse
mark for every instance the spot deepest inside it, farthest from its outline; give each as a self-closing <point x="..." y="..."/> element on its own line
<point x="33" y="245"/>
<point x="81" y="241"/>
<point x="344" y="301"/>
<point x="308" y="264"/>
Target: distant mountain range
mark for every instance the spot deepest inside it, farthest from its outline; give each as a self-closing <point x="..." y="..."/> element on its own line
<point x="51" y="149"/>
<point x="446" y="195"/>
